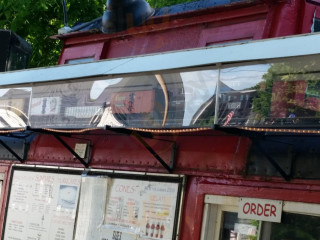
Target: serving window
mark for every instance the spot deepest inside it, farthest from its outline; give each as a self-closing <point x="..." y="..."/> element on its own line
<point x="51" y="203"/>
<point x="223" y="219"/>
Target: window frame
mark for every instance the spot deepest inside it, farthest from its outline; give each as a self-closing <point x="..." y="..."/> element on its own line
<point x="215" y="205"/>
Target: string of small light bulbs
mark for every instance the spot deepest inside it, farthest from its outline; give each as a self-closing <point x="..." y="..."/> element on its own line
<point x="173" y="131"/>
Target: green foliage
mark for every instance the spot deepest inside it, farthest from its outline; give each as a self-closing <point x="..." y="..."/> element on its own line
<point x="261" y="103"/>
<point x="255" y="223"/>
<point x="37" y="20"/>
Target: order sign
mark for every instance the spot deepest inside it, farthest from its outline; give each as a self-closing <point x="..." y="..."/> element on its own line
<point x="260" y="209"/>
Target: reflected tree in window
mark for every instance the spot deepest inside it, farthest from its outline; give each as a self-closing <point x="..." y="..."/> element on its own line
<point x="289" y="94"/>
<point x="296" y="227"/>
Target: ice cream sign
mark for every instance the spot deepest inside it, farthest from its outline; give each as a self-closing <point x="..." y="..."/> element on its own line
<point x="260" y="209"/>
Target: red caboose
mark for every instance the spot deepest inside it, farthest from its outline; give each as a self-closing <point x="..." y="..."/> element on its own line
<point x="201" y="122"/>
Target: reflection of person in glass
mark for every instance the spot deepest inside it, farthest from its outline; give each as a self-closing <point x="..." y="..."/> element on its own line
<point x="67" y="196"/>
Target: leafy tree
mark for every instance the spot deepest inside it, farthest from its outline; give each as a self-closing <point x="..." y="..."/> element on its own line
<point x="37" y="20"/>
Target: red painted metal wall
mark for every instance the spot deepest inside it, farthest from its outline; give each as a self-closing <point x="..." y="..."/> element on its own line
<point x="251" y="21"/>
<point x="207" y="153"/>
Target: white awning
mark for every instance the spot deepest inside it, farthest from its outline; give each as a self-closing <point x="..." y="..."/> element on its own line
<point x="299" y="45"/>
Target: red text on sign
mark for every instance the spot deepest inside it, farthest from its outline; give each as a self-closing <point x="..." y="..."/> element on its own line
<point x="267" y="210"/>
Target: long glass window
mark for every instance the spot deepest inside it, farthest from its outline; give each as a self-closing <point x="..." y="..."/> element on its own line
<point x="277" y="93"/>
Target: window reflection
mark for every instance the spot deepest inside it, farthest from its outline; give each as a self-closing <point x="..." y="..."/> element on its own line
<point x="271" y="95"/>
<point x="145" y="101"/>
<point x="264" y="94"/>
<point x="14" y="106"/>
<point x="234" y="228"/>
<point x="290" y="94"/>
<point x="238" y="89"/>
<point x="199" y="91"/>
<point x="293" y="227"/>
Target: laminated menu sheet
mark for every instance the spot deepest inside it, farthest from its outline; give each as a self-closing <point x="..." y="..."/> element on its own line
<point x="92" y="206"/>
<point x="139" y="209"/>
<point x="42" y="206"/>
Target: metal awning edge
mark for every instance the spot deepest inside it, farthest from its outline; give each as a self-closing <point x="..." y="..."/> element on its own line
<point x="298" y="45"/>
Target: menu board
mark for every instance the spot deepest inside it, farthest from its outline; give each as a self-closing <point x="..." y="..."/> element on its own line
<point x="42" y="206"/>
<point x="57" y="206"/>
<point x="137" y="209"/>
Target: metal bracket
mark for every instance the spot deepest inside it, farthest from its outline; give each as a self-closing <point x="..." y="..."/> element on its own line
<point x="273" y="162"/>
<point x="129" y="132"/>
<point x="169" y="167"/>
<point x="20" y="159"/>
<point x="252" y="135"/>
<point x="85" y="162"/>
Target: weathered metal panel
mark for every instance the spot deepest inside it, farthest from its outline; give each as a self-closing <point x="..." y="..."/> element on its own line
<point x="200" y="154"/>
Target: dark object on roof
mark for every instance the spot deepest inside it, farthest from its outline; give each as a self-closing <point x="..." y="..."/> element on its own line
<point x="123" y="14"/>
<point x="15" y="52"/>
<point x="96" y="24"/>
